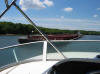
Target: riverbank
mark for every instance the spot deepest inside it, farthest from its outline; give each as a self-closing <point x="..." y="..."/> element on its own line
<point x="24" y="29"/>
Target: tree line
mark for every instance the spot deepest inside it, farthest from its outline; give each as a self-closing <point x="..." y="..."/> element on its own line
<point x="19" y="28"/>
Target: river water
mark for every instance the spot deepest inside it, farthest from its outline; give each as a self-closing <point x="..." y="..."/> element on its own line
<point x="8" y="40"/>
<point x="13" y="40"/>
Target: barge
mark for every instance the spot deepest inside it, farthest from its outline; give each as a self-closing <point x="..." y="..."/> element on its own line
<point x="50" y="37"/>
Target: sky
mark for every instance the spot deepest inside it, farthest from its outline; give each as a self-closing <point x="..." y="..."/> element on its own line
<point x="60" y="14"/>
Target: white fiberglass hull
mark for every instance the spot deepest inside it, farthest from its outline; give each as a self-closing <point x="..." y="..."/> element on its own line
<point x="30" y="68"/>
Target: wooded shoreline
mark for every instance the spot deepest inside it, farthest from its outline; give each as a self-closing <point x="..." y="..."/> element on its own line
<point x="9" y="28"/>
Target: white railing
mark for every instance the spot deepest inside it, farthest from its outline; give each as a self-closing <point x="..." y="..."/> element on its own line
<point x="19" y="45"/>
<point x="51" y="41"/>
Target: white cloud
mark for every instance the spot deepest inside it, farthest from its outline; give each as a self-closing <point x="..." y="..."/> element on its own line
<point x="95" y="15"/>
<point x="35" y="4"/>
<point x="98" y="8"/>
<point x="14" y="19"/>
<point x="48" y="3"/>
<point x="68" y="9"/>
<point x="66" y="23"/>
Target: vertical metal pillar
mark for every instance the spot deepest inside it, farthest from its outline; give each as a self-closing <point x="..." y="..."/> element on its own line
<point x="45" y="51"/>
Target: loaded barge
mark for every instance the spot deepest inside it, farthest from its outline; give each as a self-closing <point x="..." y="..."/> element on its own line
<point x="32" y="38"/>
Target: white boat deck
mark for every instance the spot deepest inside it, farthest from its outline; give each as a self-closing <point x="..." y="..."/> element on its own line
<point x="30" y="68"/>
<point x="69" y="55"/>
<point x="73" y="55"/>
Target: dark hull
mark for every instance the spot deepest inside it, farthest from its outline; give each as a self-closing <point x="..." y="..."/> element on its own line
<point x="25" y="40"/>
<point x="28" y="40"/>
<point x="51" y="37"/>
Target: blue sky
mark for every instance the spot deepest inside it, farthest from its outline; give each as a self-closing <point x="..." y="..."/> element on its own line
<point x="61" y="14"/>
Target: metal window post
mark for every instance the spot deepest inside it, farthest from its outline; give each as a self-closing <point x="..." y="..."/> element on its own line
<point x="44" y="50"/>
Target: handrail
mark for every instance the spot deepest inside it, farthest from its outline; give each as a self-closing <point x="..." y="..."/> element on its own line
<point x="51" y="41"/>
<point x="19" y="45"/>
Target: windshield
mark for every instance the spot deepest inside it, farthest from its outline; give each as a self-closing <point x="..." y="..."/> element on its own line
<point x="34" y="51"/>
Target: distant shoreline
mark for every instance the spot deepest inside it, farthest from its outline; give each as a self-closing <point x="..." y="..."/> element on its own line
<point x="11" y="29"/>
